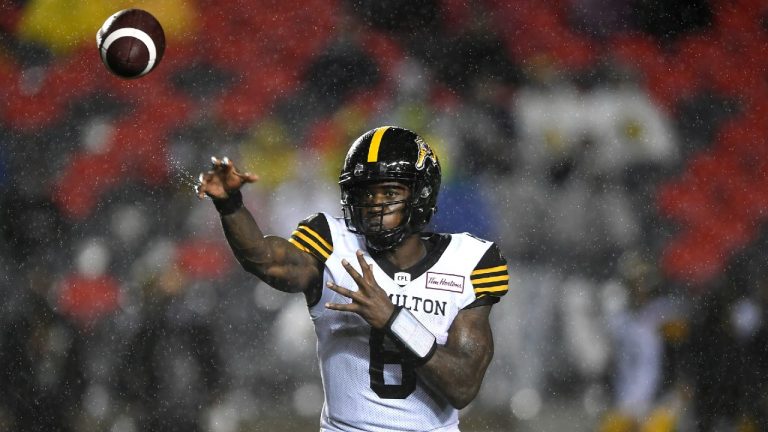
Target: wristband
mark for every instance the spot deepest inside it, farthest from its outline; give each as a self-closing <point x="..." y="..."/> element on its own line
<point x="230" y="204"/>
<point x="405" y="328"/>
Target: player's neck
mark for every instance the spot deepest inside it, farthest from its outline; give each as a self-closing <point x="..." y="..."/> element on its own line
<point x="408" y="253"/>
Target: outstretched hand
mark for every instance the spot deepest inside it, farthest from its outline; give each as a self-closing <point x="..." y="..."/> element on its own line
<point x="222" y="179"/>
<point x="370" y="301"/>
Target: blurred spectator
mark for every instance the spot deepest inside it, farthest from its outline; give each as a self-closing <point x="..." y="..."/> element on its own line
<point x="171" y="366"/>
<point x="617" y="120"/>
<point x="42" y="380"/>
<point x="638" y="309"/>
<point x="586" y="346"/>
<point x="487" y="145"/>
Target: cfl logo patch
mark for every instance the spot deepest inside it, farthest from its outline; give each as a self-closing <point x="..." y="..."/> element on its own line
<point x="402" y="278"/>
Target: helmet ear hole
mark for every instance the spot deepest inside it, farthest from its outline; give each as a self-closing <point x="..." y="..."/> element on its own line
<point x="425" y="191"/>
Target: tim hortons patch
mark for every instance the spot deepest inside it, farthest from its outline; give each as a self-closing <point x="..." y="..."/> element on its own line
<point x="445" y="282"/>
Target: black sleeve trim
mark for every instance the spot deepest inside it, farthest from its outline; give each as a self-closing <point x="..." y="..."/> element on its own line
<point x="313" y="235"/>
<point x="490" y="278"/>
<point x="483" y="300"/>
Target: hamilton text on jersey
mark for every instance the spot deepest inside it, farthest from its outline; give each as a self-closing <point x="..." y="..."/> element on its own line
<point x="417" y="304"/>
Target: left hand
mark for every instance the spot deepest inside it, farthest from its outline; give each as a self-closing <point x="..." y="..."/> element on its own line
<point x="370" y="301"/>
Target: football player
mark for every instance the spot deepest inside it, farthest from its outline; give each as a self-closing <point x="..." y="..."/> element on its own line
<point x="401" y="315"/>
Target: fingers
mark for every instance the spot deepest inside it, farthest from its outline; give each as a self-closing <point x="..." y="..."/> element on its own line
<point x="221" y="179"/>
<point x="366" y="279"/>
<point x="221" y="165"/>
<point x="350" y="307"/>
<point x="359" y="280"/>
<point x="225" y="166"/>
<point x="346" y="307"/>
<point x="205" y="183"/>
<point x="201" y="186"/>
<point x="367" y="272"/>
<point x="341" y="290"/>
<point x="247" y="177"/>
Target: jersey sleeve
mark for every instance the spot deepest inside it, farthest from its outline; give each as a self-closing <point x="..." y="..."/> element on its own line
<point x="313" y="235"/>
<point x="490" y="278"/>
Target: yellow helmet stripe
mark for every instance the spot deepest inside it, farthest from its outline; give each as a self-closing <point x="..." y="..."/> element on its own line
<point x="373" y="150"/>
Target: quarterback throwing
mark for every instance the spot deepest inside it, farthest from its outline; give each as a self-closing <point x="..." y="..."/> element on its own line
<point x="401" y="315"/>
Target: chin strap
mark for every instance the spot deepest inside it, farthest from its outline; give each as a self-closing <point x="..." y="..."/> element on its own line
<point x="406" y="329"/>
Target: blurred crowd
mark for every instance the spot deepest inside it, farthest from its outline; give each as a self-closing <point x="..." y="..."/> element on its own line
<point x="615" y="150"/>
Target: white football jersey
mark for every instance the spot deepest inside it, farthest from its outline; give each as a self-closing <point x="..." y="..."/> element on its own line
<point x="369" y="384"/>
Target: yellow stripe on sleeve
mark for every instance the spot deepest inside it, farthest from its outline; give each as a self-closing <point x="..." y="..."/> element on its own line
<point x="373" y="150"/>
<point x="328" y="247"/>
<point x="298" y="245"/>
<point x="489" y="270"/>
<point x="490" y="279"/>
<point x="493" y="289"/>
<point x="312" y="243"/>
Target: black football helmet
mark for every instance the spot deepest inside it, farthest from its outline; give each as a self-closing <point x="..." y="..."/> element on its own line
<point x="389" y="153"/>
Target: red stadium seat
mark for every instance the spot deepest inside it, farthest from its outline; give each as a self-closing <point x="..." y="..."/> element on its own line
<point x="204" y="259"/>
<point x="693" y="257"/>
<point x="87" y="300"/>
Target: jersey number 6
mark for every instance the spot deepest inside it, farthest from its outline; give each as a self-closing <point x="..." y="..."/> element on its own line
<point x="381" y="356"/>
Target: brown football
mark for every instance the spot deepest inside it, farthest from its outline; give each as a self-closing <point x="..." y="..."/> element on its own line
<point x="131" y="43"/>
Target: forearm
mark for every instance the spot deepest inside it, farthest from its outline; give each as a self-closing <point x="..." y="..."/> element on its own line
<point x="457" y="373"/>
<point x="455" y="370"/>
<point x="243" y="233"/>
<point x="245" y="237"/>
<point x="272" y="259"/>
